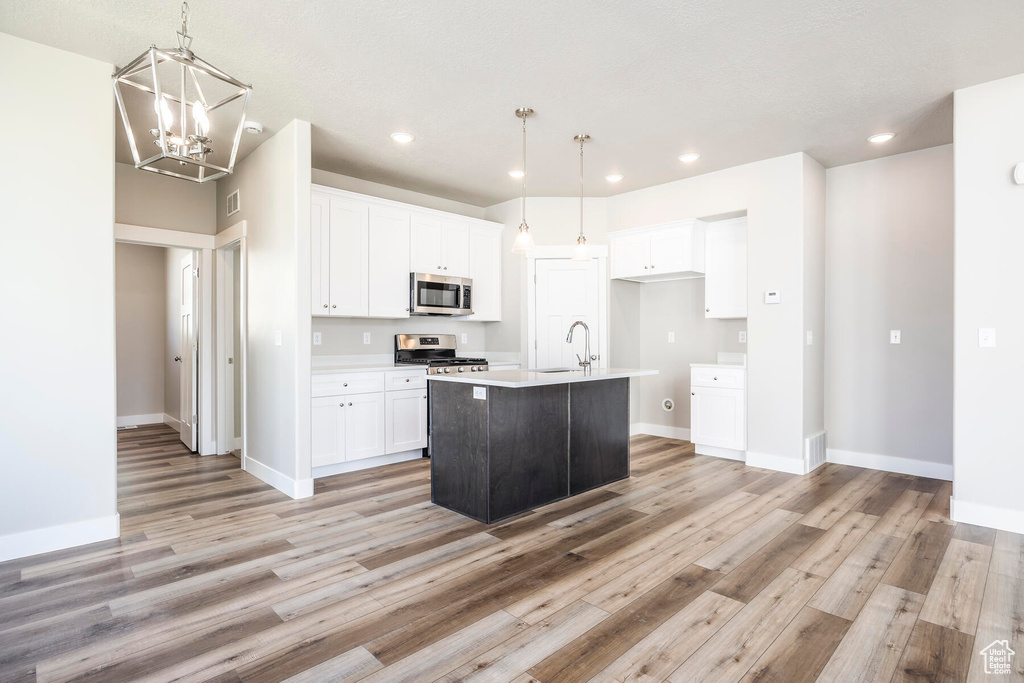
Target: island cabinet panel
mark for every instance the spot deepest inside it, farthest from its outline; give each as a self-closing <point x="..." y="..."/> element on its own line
<point x="598" y="433"/>
<point x="458" y="443"/>
<point x="529" y="446"/>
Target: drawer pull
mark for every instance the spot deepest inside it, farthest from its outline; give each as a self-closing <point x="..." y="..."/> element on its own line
<point x="342" y="404"/>
<point x="350" y="403"/>
<point x="345" y="384"/>
<point x="692" y="394"/>
<point x="406" y="379"/>
<point x="325" y="305"/>
<point x="716" y="379"/>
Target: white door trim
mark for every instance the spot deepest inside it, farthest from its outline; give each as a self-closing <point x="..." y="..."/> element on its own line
<point x="600" y="253"/>
<point x="233" y="236"/>
<point x="159" y="237"/>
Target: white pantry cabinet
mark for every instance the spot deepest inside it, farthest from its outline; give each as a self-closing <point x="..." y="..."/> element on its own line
<point x="405" y="420"/>
<point x="718" y="410"/>
<point x="670" y="251"/>
<point x="725" y="287"/>
<point x="363" y="249"/>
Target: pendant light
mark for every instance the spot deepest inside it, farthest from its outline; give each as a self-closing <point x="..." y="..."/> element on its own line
<point x="524" y="240"/>
<point x="582" y="251"/>
<point x="177" y="101"/>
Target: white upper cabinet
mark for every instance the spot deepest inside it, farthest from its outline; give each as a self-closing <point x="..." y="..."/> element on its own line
<point x="725" y="289"/>
<point x="389" y="263"/>
<point x="485" y="269"/>
<point x="320" y="248"/>
<point x="349" y="251"/>
<point x="425" y="256"/>
<point x="671" y="251"/>
<point x="455" y="249"/>
<point x="362" y="250"/>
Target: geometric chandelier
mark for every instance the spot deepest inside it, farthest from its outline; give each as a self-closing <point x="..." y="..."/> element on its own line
<point x="174" y="101"/>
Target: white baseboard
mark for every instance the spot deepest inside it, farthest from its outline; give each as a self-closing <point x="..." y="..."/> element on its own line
<point x="172" y="422"/>
<point x="132" y="420"/>
<point x="891" y="463"/>
<point x="680" y="433"/>
<point x="365" y="463"/>
<point x="778" y="463"/>
<point x="59" y="537"/>
<point x="294" y="488"/>
<point x="718" y="452"/>
<point x="987" y="515"/>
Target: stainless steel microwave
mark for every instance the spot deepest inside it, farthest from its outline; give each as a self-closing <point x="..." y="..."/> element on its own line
<point x="440" y="295"/>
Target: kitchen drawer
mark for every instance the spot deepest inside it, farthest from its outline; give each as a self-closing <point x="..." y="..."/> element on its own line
<point x="396" y="380"/>
<point x="726" y="378"/>
<point x="342" y="384"/>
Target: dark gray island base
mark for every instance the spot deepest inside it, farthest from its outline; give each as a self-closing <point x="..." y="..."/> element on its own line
<point x="525" y="446"/>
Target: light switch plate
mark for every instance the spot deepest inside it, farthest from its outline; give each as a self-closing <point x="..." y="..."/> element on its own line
<point x="772" y="296"/>
<point x="317" y="338"/>
<point x="366" y="337"/>
<point x="987" y="337"/>
<point x="465" y="338"/>
<point x="480" y="393"/>
<point x="671" y="337"/>
<point x="743" y="336"/>
<point x="277" y="338"/>
<point x="895" y="337"/>
<point x="810" y="337"/>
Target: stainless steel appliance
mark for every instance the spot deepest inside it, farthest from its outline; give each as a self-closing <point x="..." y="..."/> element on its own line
<point x="436" y="352"/>
<point x="431" y="294"/>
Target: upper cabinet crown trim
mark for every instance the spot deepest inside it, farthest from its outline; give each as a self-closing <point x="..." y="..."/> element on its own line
<point x="390" y="203"/>
<point x="686" y="222"/>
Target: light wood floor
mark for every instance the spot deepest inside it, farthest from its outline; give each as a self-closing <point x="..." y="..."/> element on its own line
<point x="693" y="569"/>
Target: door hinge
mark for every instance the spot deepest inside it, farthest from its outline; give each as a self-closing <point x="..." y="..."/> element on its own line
<point x="195" y="272"/>
<point x="195" y="418"/>
<point x="535" y="278"/>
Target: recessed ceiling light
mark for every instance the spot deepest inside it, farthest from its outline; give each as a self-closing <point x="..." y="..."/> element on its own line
<point x="688" y="157"/>
<point x="402" y="137"/>
<point x="516" y="173"/>
<point x="613" y="177"/>
<point x="881" y="137"/>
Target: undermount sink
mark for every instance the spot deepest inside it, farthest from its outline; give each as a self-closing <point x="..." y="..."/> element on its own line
<point x="552" y="371"/>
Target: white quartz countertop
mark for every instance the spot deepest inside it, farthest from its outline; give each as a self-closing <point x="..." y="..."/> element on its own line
<point x="718" y="365"/>
<point x="381" y="366"/>
<point x="518" y="379"/>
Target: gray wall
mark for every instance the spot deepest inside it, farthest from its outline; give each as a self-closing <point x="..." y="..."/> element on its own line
<point x="57" y="356"/>
<point x="275" y="185"/>
<point x="889" y="256"/>
<point x="989" y="239"/>
<point x="814" y="296"/>
<point x="156" y="201"/>
<point x="141" y="298"/>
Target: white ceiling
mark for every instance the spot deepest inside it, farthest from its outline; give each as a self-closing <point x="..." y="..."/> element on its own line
<point x="737" y="80"/>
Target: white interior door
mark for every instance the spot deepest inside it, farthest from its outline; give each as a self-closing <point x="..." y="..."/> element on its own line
<point x="188" y="354"/>
<point x="567" y="291"/>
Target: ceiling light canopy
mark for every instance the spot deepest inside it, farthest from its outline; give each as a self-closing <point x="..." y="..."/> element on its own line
<point x="402" y="137"/>
<point x="517" y="174"/>
<point x="613" y="177"/>
<point x="582" y="251"/>
<point x="524" y="240"/>
<point x="689" y="157"/>
<point x="879" y="138"/>
<point x="177" y="101"/>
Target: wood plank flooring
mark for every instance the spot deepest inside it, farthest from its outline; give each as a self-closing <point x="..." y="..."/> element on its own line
<point x="693" y="569"/>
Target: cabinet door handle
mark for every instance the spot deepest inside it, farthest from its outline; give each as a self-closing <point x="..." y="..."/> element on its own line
<point x="325" y="305"/>
<point x="715" y="378"/>
<point x="424" y="397"/>
<point x="350" y="402"/>
<point x="334" y="305"/>
<point x="345" y="384"/>
<point x="645" y="267"/>
<point x="446" y="267"/>
<point x="406" y="379"/>
<point x="407" y="309"/>
<point x="342" y="404"/>
<point x="707" y="310"/>
<point x="652" y="266"/>
<point x="692" y="394"/>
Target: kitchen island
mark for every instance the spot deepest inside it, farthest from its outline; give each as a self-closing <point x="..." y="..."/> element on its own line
<point x="506" y="441"/>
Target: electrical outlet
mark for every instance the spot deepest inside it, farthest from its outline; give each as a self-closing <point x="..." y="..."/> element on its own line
<point x="671" y="337"/>
<point x="743" y="336"/>
<point x="895" y="337"/>
<point x="277" y="338"/>
<point x="810" y="337"/>
<point x="480" y="393"/>
<point x="366" y="337"/>
<point x="465" y="338"/>
<point x="317" y="339"/>
<point x="772" y="296"/>
<point x="987" y="337"/>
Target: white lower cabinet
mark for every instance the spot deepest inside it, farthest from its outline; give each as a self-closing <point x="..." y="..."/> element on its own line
<point x="718" y="408"/>
<point x="405" y="420"/>
<point x="359" y="420"/>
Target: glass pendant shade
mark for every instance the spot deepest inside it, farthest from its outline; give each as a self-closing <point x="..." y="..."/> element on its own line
<point x="183" y="117"/>
<point x="524" y="240"/>
<point x="582" y="250"/>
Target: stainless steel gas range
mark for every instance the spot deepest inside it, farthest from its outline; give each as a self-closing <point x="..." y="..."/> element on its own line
<point x="436" y="352"/>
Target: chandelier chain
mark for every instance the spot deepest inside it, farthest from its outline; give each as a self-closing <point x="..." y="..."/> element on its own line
<point x="184" y="17"/>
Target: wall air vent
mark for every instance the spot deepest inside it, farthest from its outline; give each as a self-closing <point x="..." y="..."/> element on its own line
<point x="234" y="203"/>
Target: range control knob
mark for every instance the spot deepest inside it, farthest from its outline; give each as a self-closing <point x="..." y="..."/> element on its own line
<point x="462" y="369"/>
<point x="447" y="370"/>
<point x="473" y="369"/>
